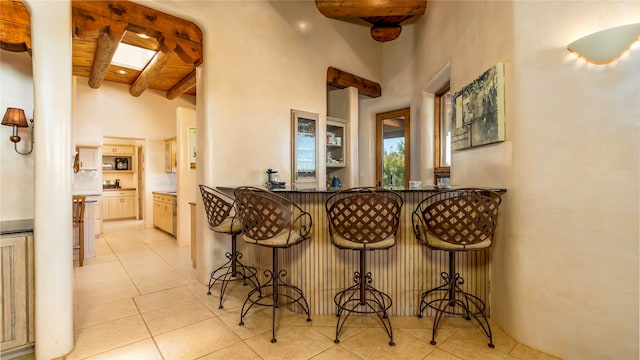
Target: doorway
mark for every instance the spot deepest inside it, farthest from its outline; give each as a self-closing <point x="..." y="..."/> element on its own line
<point x="393" y="149"/>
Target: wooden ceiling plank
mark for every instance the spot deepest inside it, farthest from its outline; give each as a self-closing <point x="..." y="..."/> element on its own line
<point x="151" y="72"/>
<point x="183" y="86"/>
<point x="342" y="79"/>
<point x="370" y="8"/>
<point x="107" y="45"/>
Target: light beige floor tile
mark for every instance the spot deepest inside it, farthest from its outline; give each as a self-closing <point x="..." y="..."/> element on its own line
<point x="524" y="352"/>
<point x="108" y="336"/>
<point x="426" y="334"/>
<point x="346" y="332"/>
<point x="196" y="340"/>
<point x="106" y="294"/>
<point x="175" y="316"/>
<point x="102" y="313"/>
<point x="292" y="343"/>
<point x="145" y="349"/>
<point x="161" y="280"/>
<point x="163" y="298"/>
<point x="374" y="344"/>
<point x="471" y="344"/>
<point x="256" y="322"/>
<point x="234" y="296"/>
<point x="337" y="352"/>
<point x="238" y="351"/>
<point x="438" y="354"/>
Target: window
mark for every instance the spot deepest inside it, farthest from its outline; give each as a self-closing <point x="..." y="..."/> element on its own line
<point x="442" y="137"/>
<point x="392" y="149"/>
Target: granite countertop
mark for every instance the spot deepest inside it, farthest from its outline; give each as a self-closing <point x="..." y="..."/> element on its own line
<point x="16" y="226"/>
<point x="289" y="189"/>
<point x="118" y="189"/>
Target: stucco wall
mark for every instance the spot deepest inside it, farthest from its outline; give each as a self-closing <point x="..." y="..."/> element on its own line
<point x="16" y="171"/>
<point x="262" y="59"/>
<point x="565" y="259"/>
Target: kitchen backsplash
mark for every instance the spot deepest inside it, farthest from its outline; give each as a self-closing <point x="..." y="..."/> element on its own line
<point x="87" y="182"/>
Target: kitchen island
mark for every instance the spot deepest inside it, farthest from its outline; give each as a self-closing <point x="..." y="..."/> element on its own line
<point x="403" y="271"/>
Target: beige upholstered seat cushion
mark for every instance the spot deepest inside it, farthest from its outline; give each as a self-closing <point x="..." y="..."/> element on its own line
<point x="341" y="242"/>
<point x="437" y="243"/>
<point x="289" y="236"/>
<point x="230" y="225"/>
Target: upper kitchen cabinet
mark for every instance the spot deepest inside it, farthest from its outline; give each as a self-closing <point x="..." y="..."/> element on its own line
<point x="342" y="136"/>
<point x="118" y="150"/>
<point x="170" y="155"/>
<point x="336" y="143"/>
<point x="88" y="158"/>
<point x="304" y="152"/>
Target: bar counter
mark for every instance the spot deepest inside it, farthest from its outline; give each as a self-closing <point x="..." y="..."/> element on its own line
<point x="403" y="271"/>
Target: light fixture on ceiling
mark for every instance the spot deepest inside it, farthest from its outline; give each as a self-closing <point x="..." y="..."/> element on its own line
<point x="122" y="72"/>
<point x="15" y="117"/>
<point x="606" y="46"/>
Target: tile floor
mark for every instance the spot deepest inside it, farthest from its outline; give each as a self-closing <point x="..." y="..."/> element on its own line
<point x="138" y="299"/>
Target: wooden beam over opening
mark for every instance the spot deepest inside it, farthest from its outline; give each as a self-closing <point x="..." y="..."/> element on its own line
<point x="15" y="26"/>
<point x="183" y="86"/>
<point x="342" y="79"/>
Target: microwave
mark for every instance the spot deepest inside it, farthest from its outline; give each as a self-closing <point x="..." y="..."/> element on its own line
<point x="122" y="164"/>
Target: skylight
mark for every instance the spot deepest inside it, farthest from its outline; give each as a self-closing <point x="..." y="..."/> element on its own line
<point x="132" y="57"/>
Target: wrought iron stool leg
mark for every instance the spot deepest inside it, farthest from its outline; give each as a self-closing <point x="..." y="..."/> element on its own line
<point x="230" y="272"/>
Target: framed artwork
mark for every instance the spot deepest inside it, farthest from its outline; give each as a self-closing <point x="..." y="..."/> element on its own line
<point x="192" y="148"/>
<point x="478" y="111"/>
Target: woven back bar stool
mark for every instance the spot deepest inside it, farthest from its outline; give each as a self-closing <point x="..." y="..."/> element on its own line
<point x="363" y="219"/>
<point x="222" y="218"/>
<point x="453" y="221"/>
<point x="77" y="213"/>
<point x="272" y="221"/>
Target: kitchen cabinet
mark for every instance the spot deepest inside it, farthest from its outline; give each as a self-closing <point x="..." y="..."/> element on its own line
<point x="117" y="150"/>
<point x="336" y="143"/>
<point x="170" y="155"/>
<point x="120" y="204"/>
<point x="17" y="315"/>
<point x="304" y="152"/>
<point x="164" y="212"/>
<point x="89" y="158"/>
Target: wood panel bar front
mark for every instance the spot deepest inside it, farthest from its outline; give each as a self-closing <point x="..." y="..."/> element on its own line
<point x="404" y="271"/>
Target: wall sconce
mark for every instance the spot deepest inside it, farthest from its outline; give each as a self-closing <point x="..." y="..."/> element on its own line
<point x="15" y="117"/>
<point x="606" y="46"/>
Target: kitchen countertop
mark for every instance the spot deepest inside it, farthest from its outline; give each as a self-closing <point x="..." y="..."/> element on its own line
<point x="430" y="188"/>
<point x="16" y="226"/>
<point x="166" y="192"/>
<point x="118" y="189"/>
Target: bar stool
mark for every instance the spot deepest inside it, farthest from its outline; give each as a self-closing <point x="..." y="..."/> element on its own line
<point x="272" y="221"/>
<point x="454" y="221"/>
<point x="363" y="219"/>
<point x="221" y="215"/>
<point x="78" y="223"/>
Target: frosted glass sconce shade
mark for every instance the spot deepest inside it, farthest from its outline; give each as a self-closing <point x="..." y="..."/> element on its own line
<point x="606" y="46"/>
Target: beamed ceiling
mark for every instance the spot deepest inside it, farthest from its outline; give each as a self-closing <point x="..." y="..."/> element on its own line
<point x="99" y="26"/>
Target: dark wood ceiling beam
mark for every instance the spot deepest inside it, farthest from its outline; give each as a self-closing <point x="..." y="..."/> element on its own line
<point x="15" y="31"/>
<point x="186" y="84"/>
<point x="107" y="45"/>
<point x="342" y="79"/>
<point x="151" y="72"/>
<point x="181" y="36"/>
<point x="368" y="8"/>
